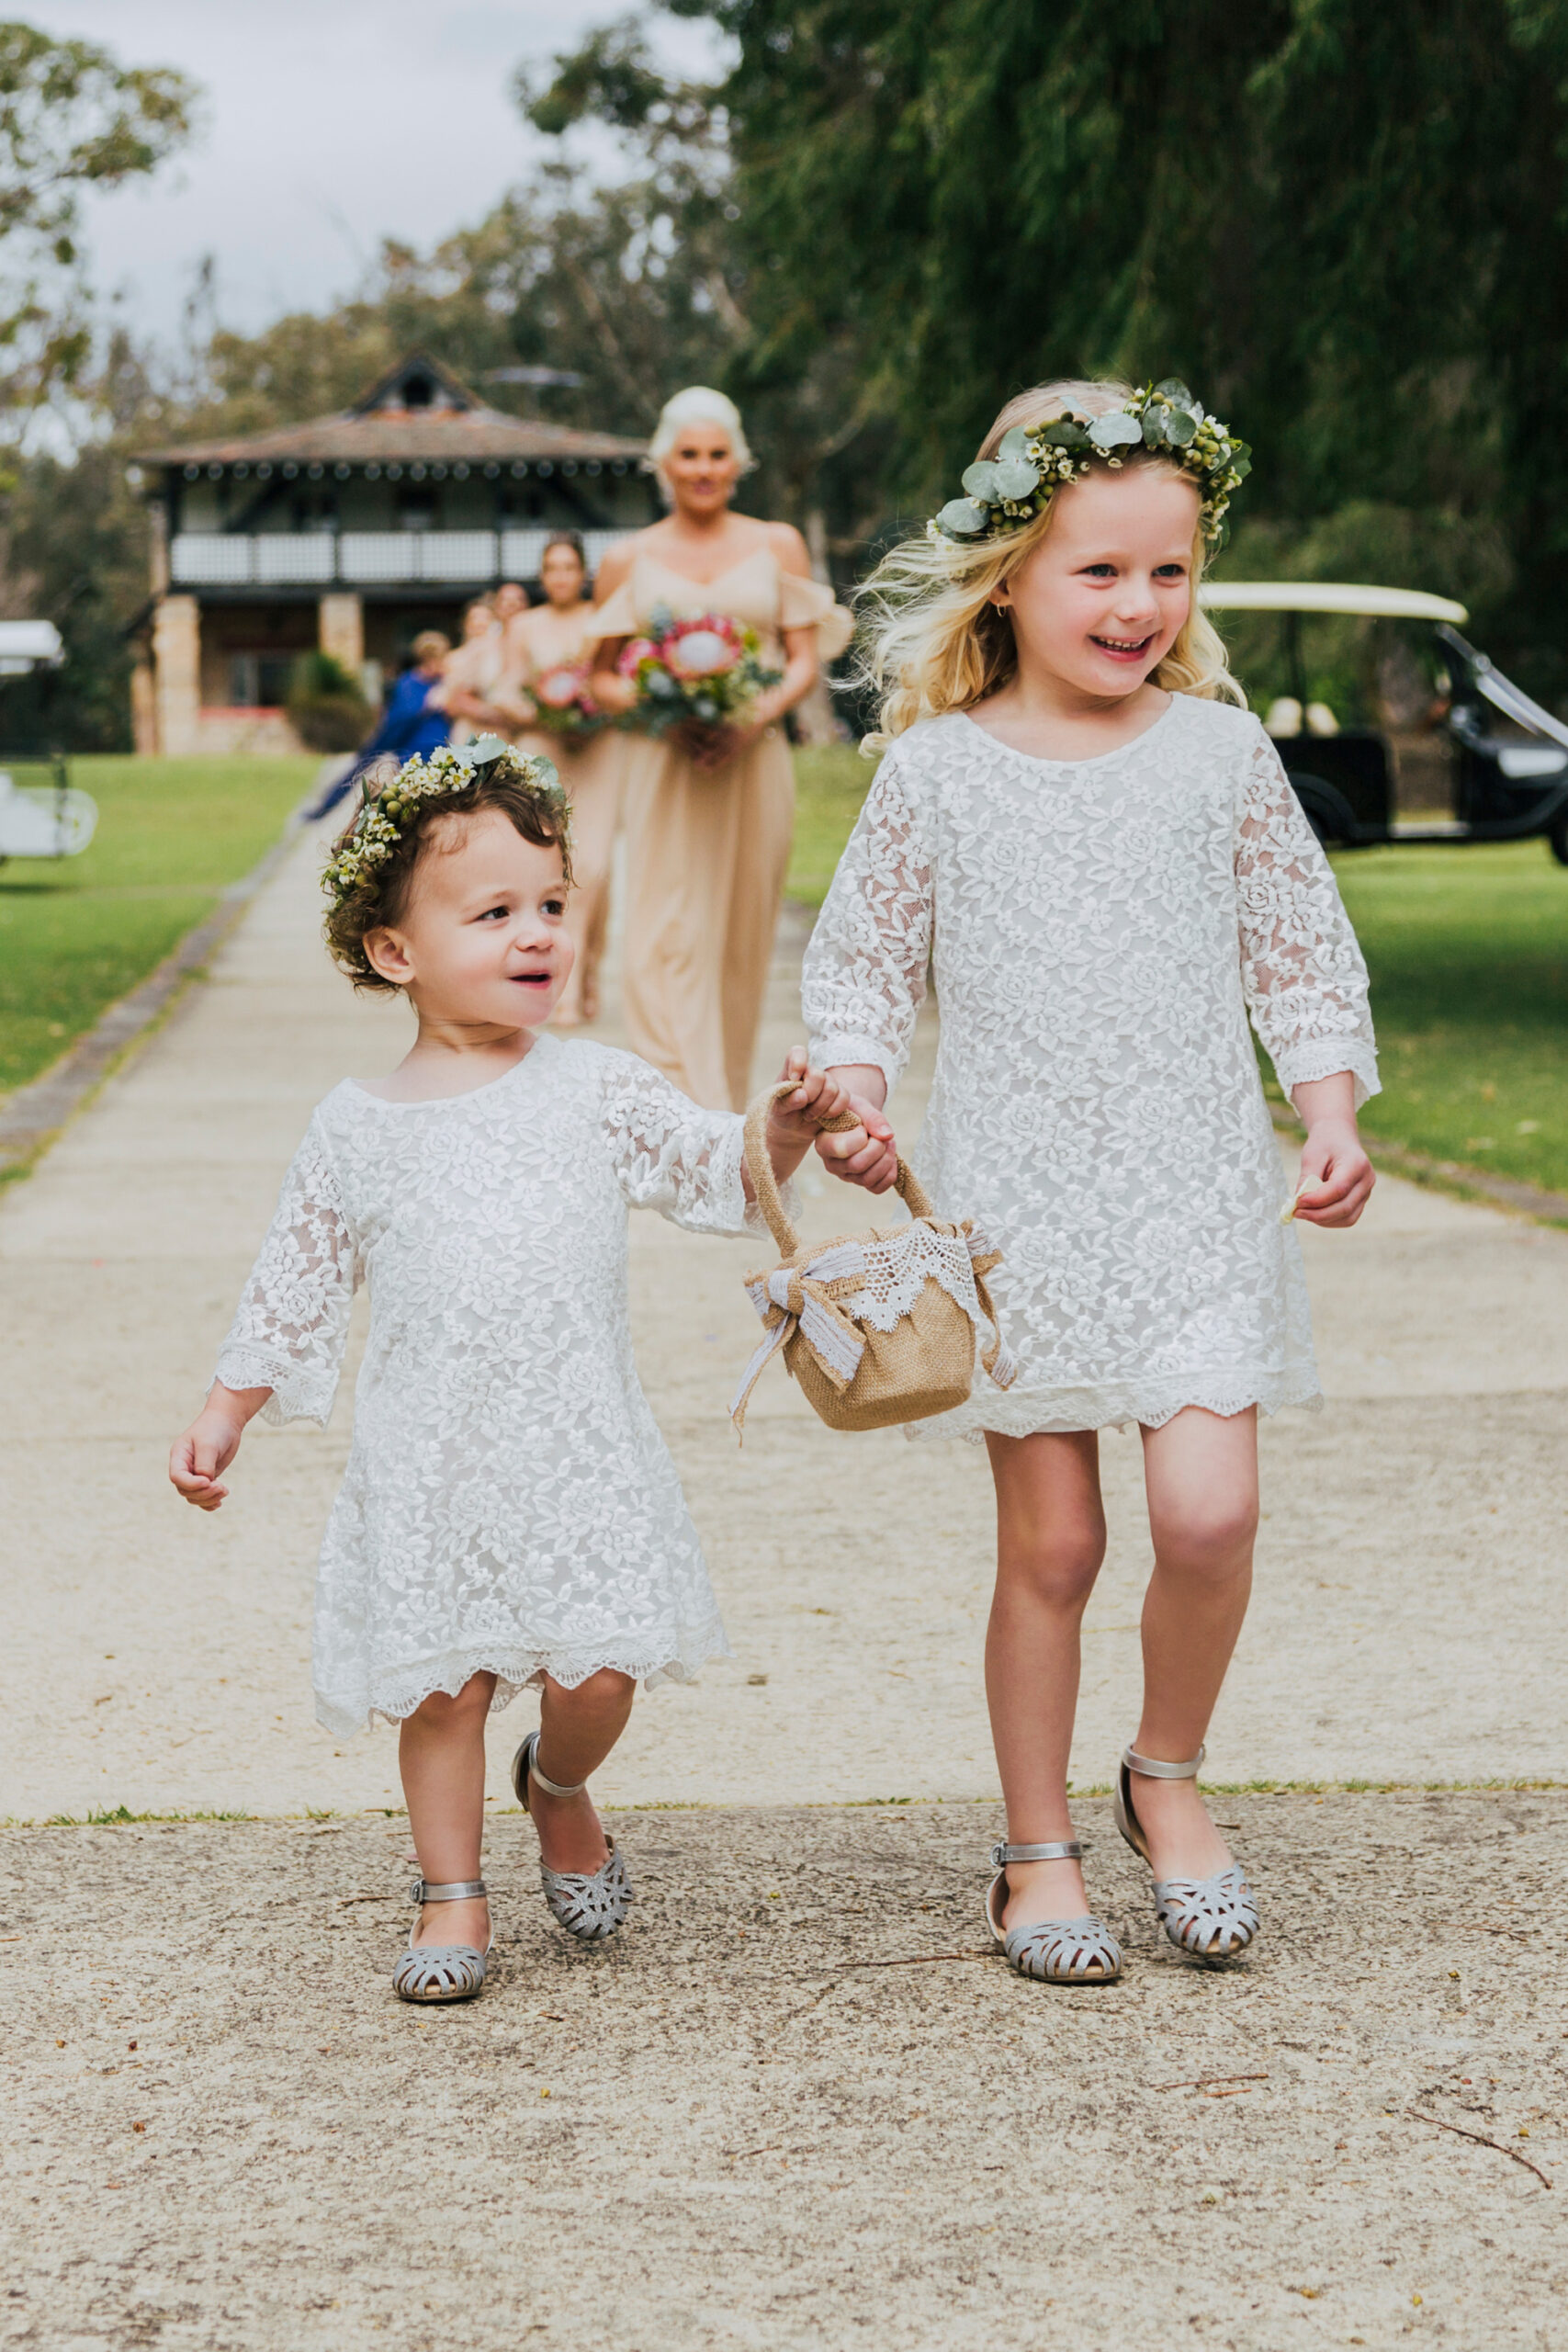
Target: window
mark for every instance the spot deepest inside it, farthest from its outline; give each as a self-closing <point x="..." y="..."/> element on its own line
<point x="259" y="681"/>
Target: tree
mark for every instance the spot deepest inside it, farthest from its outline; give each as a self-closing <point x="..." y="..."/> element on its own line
<point x="1345" y="225"/>
<point x="71" y="117"/>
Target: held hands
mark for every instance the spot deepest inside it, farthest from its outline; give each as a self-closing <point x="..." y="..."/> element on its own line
<point x="795" y="1123"/>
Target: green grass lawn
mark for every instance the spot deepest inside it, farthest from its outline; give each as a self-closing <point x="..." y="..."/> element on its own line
<point x="830" y="785"/>
<point x="1467" y="950"/>
<point x="77" y="932"/>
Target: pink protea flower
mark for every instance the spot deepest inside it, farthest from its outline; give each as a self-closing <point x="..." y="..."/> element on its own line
<point x="634" y="653"/>
<point x="559" y="688"/>
<point x="701" y="649"/>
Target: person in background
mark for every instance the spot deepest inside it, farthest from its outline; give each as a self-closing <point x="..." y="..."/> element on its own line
<point x="708" y="817"/>
<point x="555" y="644"/>
<point x="472" y="667"/>
<point x="413" y="719"/>
<point x="481" y="693"/>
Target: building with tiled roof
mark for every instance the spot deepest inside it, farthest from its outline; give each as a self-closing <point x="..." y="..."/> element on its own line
<point x="352" y="532"/>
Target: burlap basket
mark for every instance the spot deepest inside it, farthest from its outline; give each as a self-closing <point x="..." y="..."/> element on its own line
<point x="879" y="1327"/>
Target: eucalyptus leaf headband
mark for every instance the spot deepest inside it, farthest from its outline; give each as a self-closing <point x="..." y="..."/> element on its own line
<point x="378" y="827"/>
<point x="1005" y="492"/>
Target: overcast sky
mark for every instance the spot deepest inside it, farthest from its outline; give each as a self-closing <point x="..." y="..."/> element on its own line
<point x="328" y="124"/>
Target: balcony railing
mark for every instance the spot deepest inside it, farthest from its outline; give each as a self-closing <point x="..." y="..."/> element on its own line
<point x="362" y="558"/>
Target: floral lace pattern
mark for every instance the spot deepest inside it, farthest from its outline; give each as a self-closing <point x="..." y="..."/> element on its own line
<point x="1101" y="931"/>
<point x="508" y="1504"/>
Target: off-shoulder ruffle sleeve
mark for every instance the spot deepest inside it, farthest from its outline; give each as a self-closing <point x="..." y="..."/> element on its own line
<point x="807" y="603"/>
<point x="616" y="616"/>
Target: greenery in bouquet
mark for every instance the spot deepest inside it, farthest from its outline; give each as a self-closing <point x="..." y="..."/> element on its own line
<point x="562" y="702"/>
<point x="701" y="673"/>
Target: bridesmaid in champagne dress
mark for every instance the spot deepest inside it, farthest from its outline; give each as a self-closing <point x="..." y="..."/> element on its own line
<point x="708" y="815"/>
<point x="550" y="641"/>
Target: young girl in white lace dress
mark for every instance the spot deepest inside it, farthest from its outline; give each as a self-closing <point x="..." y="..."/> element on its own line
<point x="509" y="1514"/>
<point x="1079" y="820"/>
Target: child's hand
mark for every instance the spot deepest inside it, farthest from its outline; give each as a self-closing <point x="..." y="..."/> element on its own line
<point x="198" y="1460"/>
<point x="866" y="1155"/>
<point x="796" y="1119"/>
<point x="1337" y="1177"/>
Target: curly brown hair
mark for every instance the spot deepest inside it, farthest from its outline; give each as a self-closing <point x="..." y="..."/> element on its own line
<point x="381" y="895"/>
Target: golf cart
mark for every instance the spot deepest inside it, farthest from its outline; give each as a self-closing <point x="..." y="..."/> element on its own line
<point x="48" y="818"/>
<point x="1510" y="757"/>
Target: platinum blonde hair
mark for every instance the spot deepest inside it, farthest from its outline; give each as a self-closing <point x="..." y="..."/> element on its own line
<point x="698" y="404"/>
<point x="935" y="641"/>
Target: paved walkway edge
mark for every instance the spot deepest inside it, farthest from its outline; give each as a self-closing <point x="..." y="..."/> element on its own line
<point x="32" y="1118"/>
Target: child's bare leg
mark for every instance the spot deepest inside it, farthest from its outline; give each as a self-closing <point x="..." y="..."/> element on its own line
<point x="1200" y="1472"/>
<point x="441" y="1754"/>
<point x="577" y="1730"/>
<point x="1050" y="1542"/>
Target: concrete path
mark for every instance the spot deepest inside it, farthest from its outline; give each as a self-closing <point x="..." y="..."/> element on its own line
<point x="795" y="2104"/>
<point x="1408" y="1624"/>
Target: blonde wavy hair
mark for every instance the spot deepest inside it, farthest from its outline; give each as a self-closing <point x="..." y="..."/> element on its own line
<point x="933" y="642"/>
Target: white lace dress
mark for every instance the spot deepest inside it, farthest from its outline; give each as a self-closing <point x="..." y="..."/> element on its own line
<point x="1101" y="930"/>
<point x="508" y="1504"/>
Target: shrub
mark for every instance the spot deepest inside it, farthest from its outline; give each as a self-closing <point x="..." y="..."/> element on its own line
<point x="326" y="707"/>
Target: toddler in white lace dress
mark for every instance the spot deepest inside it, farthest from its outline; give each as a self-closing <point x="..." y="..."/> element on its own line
<point x="509" y="1514"/>
<point x="1080" y="822"/>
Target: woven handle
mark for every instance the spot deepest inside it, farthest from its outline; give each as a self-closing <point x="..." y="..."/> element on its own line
<point x="759" y="1167"/>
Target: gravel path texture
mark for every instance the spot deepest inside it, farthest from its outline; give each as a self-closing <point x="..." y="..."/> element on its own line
<point x="795" y="2103"/>
<point x="792" y="2105"/>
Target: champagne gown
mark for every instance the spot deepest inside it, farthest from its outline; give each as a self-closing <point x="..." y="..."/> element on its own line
<point x="591" y="776"/>
<point x="709" y="849"/>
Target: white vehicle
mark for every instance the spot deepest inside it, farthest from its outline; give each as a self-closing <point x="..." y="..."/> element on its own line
<point x="47" y="821"/>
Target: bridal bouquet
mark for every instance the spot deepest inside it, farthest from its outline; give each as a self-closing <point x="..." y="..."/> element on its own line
<point x="562" y="703"/>
<point x="704" y="672"/>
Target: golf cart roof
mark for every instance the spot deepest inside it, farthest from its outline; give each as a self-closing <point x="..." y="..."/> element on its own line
<point x="28" y="645"/>
<point x="1327" y="597"/>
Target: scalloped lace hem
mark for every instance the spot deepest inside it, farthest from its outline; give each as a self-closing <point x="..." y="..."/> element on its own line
<point x="1325" y="1058"/>
<point x="396" y="1695"/>
<point x="1029" y="1412"/>
<point x="297" y="1394"/>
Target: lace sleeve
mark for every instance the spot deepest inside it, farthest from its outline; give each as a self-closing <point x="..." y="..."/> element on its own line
<point x="865" y="975"/>
<point x="1301" y="970"/>
<point x="292" y="1322"/>
<point x="671" y="1155"/>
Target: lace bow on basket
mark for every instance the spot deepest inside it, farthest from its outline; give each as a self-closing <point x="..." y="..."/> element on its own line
<point x="876" y="1328"/>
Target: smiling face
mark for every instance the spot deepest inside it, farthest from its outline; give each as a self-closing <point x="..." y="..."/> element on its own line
<point x="1101" y="599"/>
<point x="481" y="944"/>
<point x="701" y="469"/>
<point x="508" y="601"/>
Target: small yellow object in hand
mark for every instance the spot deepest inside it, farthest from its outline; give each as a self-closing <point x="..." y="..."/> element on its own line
<point x="1307" y="1184"/>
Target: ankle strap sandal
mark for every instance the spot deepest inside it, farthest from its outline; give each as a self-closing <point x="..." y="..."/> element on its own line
<point x="1211" y="1919"/>
<point x="1056" y="1952"/>
<point x="588" y="1905"/>
<point x="442" y="1971"/>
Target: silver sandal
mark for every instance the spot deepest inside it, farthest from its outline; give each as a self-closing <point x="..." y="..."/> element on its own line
<point x="1211" y="1919"/>
<point x="1057" y="1952"/>
<point x="442" y="1971"/>
<point x="590" y="1907"/>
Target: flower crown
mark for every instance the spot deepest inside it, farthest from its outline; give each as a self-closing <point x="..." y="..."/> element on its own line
<point x="378" y="827"/>
<point x="1033" y="462"/>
